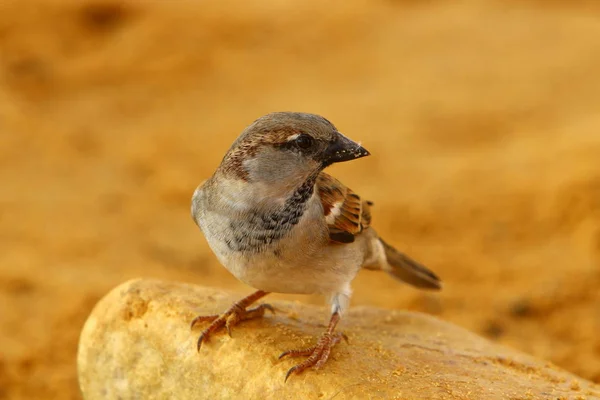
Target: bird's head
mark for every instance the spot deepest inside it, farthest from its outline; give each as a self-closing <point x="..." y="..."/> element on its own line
<point x="287" y="148"/>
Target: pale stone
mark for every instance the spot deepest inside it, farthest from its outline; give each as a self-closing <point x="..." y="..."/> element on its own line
<point x="137" y="344"/>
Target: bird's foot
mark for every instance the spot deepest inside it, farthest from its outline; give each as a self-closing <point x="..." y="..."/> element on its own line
<point x="235" y="314"/>
<point x="317" y="355"/>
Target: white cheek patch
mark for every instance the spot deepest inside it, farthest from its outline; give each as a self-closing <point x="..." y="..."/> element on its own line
<point x="335" y="211"/>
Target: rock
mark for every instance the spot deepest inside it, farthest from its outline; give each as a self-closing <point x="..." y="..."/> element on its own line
<point x="137" y="344"/>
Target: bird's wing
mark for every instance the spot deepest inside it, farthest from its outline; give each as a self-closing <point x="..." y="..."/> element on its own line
<point x="345" y="212"/>
<point x="347" y="216"/>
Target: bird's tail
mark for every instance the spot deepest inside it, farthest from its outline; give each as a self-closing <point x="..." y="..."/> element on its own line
<point x="404" y="268"/>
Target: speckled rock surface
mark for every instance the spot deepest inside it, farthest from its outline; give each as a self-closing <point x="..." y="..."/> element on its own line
<point x="137" y="344"/>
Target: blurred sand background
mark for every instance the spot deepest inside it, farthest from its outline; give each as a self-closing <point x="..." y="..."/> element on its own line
<point x="482" y="117"/>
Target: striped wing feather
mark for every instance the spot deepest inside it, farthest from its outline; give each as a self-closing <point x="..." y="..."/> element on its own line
<point x="345" y="212"/>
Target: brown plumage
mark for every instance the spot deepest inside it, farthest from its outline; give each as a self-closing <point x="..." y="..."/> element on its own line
<point x="345" y="212"/>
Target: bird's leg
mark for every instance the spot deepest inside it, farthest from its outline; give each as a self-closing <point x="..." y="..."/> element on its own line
<point x="236" y="313"/>
<point x="317" y="355"/>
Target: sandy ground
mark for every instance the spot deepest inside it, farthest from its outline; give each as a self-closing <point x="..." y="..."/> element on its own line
<point x="482" y="118"/>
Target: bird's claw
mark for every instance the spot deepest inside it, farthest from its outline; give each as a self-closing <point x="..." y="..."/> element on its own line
<point x="317" y="355"/>
<point x="228" y="319"/>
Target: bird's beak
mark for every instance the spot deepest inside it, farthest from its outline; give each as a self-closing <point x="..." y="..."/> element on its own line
<point x="343" y="149"/>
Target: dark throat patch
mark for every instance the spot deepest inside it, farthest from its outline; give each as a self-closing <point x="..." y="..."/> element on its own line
<point x="256" y="232"/>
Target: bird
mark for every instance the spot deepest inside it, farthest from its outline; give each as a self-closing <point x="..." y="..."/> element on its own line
<point x="280" y="224"/>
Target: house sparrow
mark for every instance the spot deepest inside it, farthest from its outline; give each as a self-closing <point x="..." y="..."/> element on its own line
<point x="280" y="224"/>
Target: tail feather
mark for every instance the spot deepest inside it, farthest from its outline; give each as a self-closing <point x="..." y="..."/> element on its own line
<point x="402" y="267"/>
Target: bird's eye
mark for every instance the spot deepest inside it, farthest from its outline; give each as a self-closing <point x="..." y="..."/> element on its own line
<point x="304" y="141"/>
